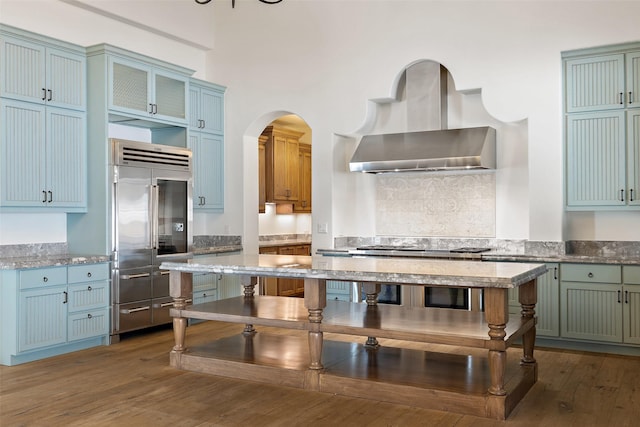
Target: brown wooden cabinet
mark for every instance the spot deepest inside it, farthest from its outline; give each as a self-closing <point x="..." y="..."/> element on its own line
<point x="262" y="185"/>
<point x="282" y="174"/>
<point x="283" y="286"/>
<point x="303" y="205"/>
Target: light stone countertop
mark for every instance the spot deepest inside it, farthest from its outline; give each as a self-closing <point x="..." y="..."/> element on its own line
<point x="506" y="257"/>
<point x="57" y="260"/>
<point x="387" y="270"/>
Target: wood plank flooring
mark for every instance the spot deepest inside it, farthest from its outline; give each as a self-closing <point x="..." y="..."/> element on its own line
<point x="131" y="384"/>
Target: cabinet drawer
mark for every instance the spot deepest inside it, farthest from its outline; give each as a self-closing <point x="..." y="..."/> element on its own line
<point x="86" y="296"/>
<point x="88" y="324"/>
<point x="88" y="273"/>
<point x="39" y="277"/>
<point x="594" y="273"/>
<point x="631" y="274"/>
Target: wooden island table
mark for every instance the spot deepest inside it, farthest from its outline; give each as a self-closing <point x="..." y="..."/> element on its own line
<point x="484" y="384"/>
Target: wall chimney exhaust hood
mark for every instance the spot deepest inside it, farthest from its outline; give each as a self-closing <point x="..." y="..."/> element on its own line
<point x="437" y="150"/>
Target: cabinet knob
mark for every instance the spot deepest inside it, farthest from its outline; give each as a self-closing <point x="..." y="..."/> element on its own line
<point x="45" y="279"/>
<point x="89" y="316"/>
<point x="89" y="274"/>
<point x="590" y="274"/>
<point x="89" y="288"/>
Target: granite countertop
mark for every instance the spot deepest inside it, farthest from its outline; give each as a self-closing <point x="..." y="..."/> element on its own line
<point x="209" y="250"/>
<point x="386" y="270"/>
<point x="54" y="260"/>
<point x="287" y="242"/>
<point x="498" y="256"/>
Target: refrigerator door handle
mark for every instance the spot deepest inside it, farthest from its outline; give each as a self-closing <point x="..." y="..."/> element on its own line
<point x="154" y="216"/>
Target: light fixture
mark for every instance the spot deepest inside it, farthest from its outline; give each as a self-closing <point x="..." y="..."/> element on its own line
<point x="233" y="2"/>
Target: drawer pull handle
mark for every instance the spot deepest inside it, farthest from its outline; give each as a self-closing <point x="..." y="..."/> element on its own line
<point x="134" y="310"/>
<point x="166" y="304"/>
<point x="134" y="276"/>
<point x="165" y="272"/>
<point x="590" y="275"/>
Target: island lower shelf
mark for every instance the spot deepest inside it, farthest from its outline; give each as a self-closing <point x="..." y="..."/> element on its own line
<point x="423" y="377"/>
<point x="430" y="325"/>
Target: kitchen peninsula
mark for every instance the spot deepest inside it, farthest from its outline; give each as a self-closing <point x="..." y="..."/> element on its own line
<point x="467" y="383"/>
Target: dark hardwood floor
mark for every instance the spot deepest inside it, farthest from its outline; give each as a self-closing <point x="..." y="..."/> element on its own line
<point x="131" y="384"/>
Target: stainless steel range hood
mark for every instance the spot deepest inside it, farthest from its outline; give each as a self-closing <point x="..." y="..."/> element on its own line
<point x="453" y="149"/>
<point x="435" y="147"/>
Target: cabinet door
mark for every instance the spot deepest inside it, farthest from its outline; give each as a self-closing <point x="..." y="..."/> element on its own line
<point x="591" y="311"/>
<point x="595" y="83"/>
<point x="66" y="80"/>
<point x="23" y="70"/>
<point x="631" y="314"/>
<point x="43" y="318"/>
<point x="548" y="306"/>
<point x="285" y="168"/>
<point x="23" y="154"/>
<point x="170" y="97"/>
<point x="66" y="158"/>
<point x="596" y="159"/>
<point x="130" y="87"/>
<point x="208" y="171"/>
<point x="633" y="157"/>
<point x="212" y="111"/>
<point x="304" y="201"/>
<point x="262" y="183"/>
<point x="633" y="79"/>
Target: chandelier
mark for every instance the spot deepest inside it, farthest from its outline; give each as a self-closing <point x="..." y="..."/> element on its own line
<point x="233" y="2"/>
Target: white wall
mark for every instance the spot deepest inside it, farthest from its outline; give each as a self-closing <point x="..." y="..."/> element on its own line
<point x="324" y="59"/>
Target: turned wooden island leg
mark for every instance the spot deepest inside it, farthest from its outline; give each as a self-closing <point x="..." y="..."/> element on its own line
<point x="315" y="300"/>
<point x="528" y="297"/>
<point x="249" y="284"/>
<point x="180" y="289"/>
<point x="497" y="315"/>
<point x="372" y="290"/>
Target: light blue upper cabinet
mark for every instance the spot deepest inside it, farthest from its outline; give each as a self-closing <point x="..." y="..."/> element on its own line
<point x="43" y="116"/>
<point x="633" y="79"/>
<point x="602" y="128"/>
<point x="43" y="74"/>
<point x="206" y="139"/>
<point x="595" y="83"/>
<point x="208" y="171"/>
<point x="206" y="112"/>
<point x="140" y="89"/>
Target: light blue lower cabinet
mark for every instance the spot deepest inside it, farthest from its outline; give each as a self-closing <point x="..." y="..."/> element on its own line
<point x="548" y="305"/>
<point x="338" y="290"/>
<point x="50" y="311"/>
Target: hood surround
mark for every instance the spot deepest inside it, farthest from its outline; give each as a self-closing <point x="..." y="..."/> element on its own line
<point x="431" y="146"/>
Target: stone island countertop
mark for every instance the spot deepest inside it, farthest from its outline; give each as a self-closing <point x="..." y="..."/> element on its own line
<point x="386" y="270"/>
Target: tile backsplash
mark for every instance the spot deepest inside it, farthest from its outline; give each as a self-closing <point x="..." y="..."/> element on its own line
<point x="453" y="205"/>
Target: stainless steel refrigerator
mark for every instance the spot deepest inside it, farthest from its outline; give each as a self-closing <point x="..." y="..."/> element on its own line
<point x="152" y="222"/>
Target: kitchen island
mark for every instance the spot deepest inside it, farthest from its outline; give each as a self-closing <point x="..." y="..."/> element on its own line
<point x="483" y="385"/>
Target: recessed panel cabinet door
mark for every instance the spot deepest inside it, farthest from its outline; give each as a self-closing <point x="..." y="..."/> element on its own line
<point x="595" y="83"/>
<point x="43" y="318"/>
<point x="596" y="159"/>
<point x="212" y="111"/>
<point x="633" y="156"/>
<point x="631" y="310"/>
<point x="208" y="171"/>
<point x="633" y="79"/>
<point x="66" y="158"/>
<point x="23" y="154"/>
